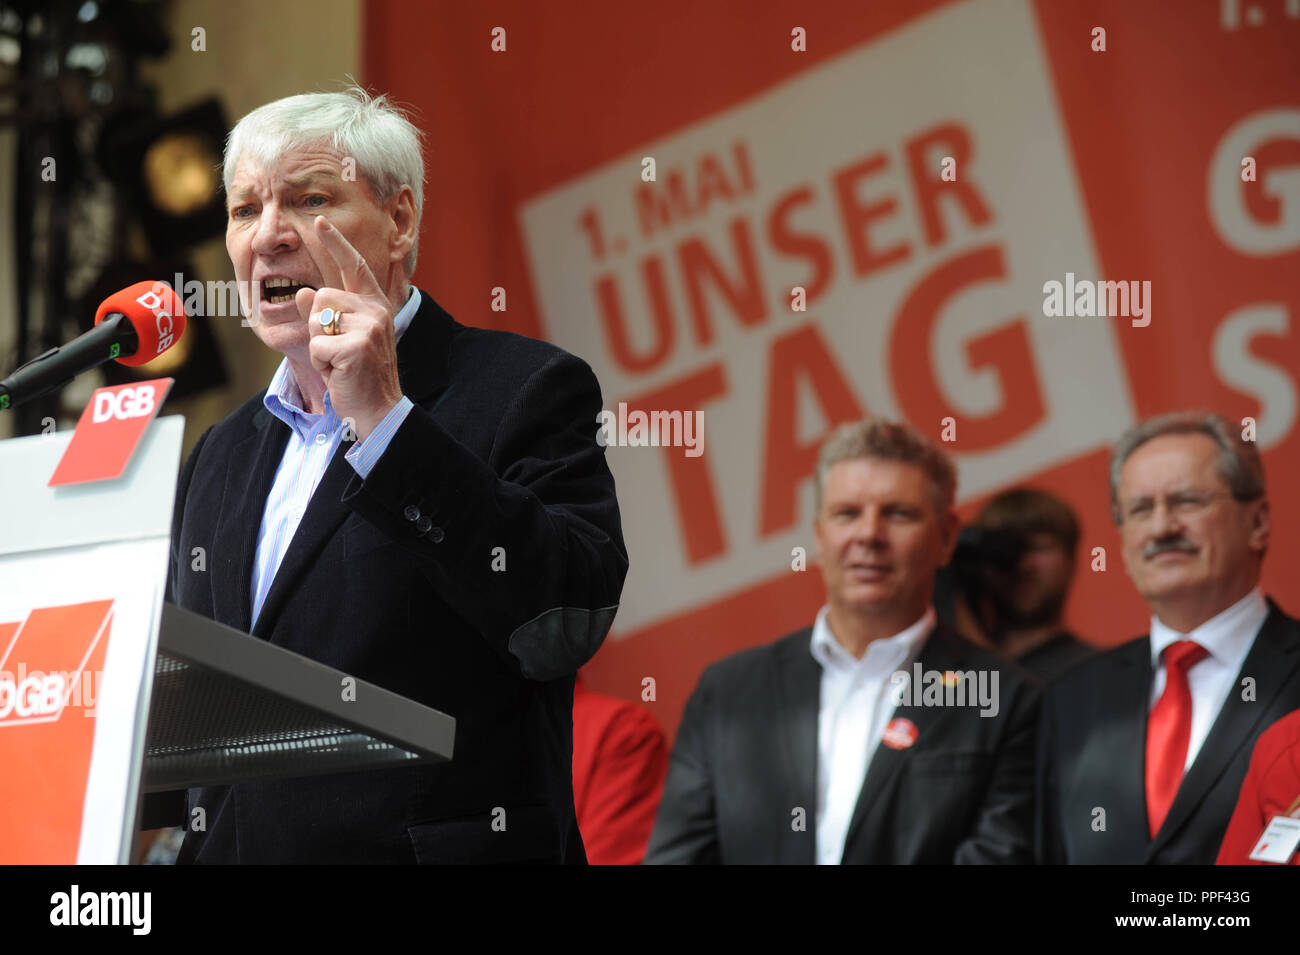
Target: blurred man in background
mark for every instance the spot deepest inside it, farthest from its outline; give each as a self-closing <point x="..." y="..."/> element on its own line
<point x="1143" y="749"/>
<point x="812" y="749"/>
<point x="1025" y="561"/>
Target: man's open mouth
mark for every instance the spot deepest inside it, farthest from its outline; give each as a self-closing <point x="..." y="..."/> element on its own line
<point x="277" y="290"/>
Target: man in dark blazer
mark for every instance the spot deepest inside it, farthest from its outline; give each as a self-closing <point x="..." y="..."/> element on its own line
<point x="847" y="741"/>
<point x="1143" y="749"/>
<point x="417" y="503"/>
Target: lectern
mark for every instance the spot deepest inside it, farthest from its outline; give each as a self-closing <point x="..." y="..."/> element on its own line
<point x="107" y="692"/>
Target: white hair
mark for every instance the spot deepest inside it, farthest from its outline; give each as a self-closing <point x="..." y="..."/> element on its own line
<point x="368" y="129"/>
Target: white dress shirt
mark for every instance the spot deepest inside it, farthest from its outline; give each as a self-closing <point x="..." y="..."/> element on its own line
<point x="313" y="439"/>
<point x="1229" y="637"/>
<point x="855" y="706"/>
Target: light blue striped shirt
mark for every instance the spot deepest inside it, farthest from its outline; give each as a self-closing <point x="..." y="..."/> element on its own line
<point x="313" y="439"/>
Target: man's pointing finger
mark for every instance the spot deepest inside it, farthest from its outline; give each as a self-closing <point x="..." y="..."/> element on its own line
<point x="352" y="266"/>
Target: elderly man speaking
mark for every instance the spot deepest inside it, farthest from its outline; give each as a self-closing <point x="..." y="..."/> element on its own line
<point x="418" y="503"/>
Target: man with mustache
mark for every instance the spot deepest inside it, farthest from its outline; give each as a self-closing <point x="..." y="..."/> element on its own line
<point x="1142" y="750"/>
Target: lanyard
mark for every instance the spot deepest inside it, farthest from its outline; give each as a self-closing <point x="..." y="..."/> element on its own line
<point x="1291" y="810"/>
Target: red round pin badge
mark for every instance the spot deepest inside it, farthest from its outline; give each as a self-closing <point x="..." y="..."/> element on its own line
<point x="899" y="734"/>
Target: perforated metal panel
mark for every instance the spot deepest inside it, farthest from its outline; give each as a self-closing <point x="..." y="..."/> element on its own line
<point x="227" y="707"/>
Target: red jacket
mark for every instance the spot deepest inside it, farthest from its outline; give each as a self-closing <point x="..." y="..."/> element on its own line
<point x="1272" y="788"/>
<point x="620" y="760"/>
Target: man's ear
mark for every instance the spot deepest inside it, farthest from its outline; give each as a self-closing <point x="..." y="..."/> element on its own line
<point x="951" y="525"/>
<point x="1261" y="525"/>
<point x="406" y="224"/>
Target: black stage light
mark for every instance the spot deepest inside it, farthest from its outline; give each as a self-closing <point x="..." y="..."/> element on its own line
<point x="170" y="170"/>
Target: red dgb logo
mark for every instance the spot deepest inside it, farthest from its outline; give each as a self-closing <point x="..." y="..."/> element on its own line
<point x="162" y="318"/>
<point x="33" y="696"/>
<point x="45" y="660"/>
<point x="110" y="427"/>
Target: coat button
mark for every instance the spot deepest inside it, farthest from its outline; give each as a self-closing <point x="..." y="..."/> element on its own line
<point x="423" y="524"/>
<point x="436" y="535"/>
<point x="411" y="513"/>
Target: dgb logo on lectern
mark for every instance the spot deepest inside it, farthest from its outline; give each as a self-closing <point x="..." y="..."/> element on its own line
<point x="37" y="695"/>
<point x="45" y="660"/>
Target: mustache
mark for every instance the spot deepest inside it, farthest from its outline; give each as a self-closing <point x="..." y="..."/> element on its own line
<point x="1168" y="544"/>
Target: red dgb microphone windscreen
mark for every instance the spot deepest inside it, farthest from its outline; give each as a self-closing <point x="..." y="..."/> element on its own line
<point x="155" y="312"/>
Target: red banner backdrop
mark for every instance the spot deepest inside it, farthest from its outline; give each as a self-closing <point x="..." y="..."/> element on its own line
<point x="922" y="171"/>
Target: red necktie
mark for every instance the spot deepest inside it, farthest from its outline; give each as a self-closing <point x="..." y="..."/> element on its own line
<point x="1169" y="727"/>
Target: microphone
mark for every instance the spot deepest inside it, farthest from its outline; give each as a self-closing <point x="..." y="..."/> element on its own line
<point x="133" y="326"/>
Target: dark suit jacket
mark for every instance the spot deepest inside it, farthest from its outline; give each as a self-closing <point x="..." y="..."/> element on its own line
<point x="391" y="580"/>
<point x="746" y="756"/>
<point x="1092" y="755"/>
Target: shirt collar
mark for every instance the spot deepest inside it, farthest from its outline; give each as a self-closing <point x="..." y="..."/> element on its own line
<point x="1226" y="635"/>
<point x="886" y="654"/>
<point x="284" y="400"/>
